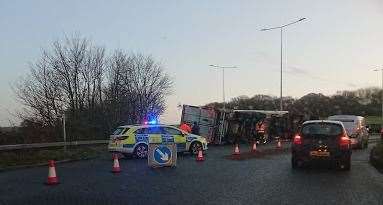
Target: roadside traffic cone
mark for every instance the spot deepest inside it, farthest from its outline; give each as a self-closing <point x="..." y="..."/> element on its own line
<point x="279" y="144"/>
<point x="52" y="178"/>
<point x="116" y="164"/>
<point x="236" y="150"/>
<point x="200" y="156"/>
<point x="254" y="148"/>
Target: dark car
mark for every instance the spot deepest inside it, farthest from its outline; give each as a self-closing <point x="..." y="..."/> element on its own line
<point x="322" y="141"/>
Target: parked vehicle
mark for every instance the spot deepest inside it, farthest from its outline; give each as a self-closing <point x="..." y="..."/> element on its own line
<point x="322" y="141"/>
<point x="356" y="129"/>
<point x="134" y="139"/>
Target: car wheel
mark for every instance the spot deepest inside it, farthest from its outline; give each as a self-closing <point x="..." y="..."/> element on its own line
<point x="295" y="164"/>
<point x="195" y="147"/>
<point x="347" y="166"/>
<point x="344" y="165"/>
<point x="141" y="151"/>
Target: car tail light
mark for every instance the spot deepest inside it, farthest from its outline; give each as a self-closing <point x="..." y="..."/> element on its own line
<point x="344" y="142"/>
<point x="297" y="140"/>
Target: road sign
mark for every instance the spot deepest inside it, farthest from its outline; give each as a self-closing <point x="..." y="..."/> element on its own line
<point x="162" y="155"/>
<point x="162" y="152"/>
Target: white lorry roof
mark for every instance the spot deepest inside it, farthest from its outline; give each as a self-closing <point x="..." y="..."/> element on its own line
<point x="270" y="112"/>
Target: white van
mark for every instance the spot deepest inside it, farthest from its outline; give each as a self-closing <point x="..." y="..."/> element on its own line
<point x="356" y="129"/>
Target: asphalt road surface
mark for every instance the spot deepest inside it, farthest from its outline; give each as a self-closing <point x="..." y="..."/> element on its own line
<point x="266" y="179"/>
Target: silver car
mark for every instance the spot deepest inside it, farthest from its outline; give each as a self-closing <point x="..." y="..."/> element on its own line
<point x="356" y="129"/>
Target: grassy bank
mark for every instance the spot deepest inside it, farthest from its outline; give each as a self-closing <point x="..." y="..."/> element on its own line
<point x="16" y="158"/>
<point x="376" y="156"/>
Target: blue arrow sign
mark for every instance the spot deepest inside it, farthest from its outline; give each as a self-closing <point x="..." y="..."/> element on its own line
<point x="162" y="155"/>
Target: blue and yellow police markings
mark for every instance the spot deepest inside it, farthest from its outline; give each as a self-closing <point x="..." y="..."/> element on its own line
<point x="190" y="138"/>
<point x="167" y="139"/>
<point x="142" y="138"/>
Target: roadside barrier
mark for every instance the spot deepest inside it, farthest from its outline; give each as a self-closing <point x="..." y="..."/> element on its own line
<point x="51" y="144"/>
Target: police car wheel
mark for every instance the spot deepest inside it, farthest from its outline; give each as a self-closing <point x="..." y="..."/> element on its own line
<point x="195" y="147"/>
<point x="141" y="151"/>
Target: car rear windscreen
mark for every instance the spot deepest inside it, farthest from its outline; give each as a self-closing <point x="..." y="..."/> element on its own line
<point x="349" y="124"/>
<point x="328" y="129"/>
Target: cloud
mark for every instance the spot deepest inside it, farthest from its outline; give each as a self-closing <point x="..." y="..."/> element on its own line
<point x="352" y="85"/>
<point x="296" y="70"/>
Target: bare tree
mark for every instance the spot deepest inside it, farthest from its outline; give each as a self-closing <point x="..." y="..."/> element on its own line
<point x="138" y="85"/>
<point x="96" y="92"/>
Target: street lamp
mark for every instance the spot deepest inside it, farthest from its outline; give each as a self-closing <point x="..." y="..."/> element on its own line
<point x="377" y="70"/>
<point x="223" y="96"/>
<point x="281" y="28"/>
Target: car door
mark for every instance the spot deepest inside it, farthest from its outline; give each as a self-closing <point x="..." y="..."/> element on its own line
<point x="178" y="136"/>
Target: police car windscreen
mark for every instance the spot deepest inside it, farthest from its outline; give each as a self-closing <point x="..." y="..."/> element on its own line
<point x="321" y="129"/>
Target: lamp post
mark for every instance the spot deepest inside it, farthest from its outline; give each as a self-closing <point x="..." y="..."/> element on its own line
<point x="223" y="96"/>
<point x="377" y="70"/>
<point x="281" y="29"/>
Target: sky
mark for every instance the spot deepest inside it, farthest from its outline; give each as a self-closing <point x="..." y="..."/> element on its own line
<point x="335" y="48"/>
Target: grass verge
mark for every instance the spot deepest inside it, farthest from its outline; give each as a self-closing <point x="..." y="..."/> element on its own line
<point x="376" y="157"/>
<point x="30" y="157"/>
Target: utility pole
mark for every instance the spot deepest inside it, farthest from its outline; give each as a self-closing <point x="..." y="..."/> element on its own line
<point x="281" y="79"/>
<point x="224" y="100"/>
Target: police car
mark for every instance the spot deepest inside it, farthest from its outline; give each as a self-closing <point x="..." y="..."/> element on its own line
<point x="134" y="139"/>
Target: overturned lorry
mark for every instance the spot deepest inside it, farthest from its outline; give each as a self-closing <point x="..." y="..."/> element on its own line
<point x="232" y="125"/>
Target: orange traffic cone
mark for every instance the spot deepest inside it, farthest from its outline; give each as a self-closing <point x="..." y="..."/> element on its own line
<point x="254" y="148"/>
<point x="52" y="178"/>
<point x="236" y="150"/>
<point x="116" y="164"/>
<point x="279" y="144"/>
<point x="200" y="156"/>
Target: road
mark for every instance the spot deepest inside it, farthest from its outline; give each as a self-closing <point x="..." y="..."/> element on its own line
<point x="267" y="179"/>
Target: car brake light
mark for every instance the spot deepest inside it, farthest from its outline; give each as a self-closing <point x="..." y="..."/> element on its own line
<point x="344" y="142"/>
<point x="297" y="140"/>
